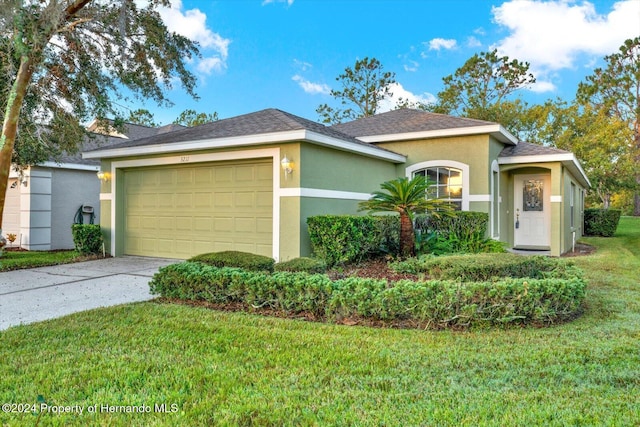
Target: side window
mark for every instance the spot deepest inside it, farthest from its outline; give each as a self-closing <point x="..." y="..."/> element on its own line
<point x="447" y="184"/>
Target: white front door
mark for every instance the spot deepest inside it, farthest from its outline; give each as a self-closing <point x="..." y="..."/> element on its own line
<point x="532" y="211"/>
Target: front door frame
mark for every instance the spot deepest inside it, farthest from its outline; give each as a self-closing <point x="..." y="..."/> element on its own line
<point x="523" y="238"/>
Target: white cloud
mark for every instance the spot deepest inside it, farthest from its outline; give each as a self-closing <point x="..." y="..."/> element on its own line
<point x="207" y="65"/>
<point x="310" y="87"/>
<point x="438" y="43"/>
<point x="552" y="34"/>
<point x="399" y="91"/>
<point x="304" y="66"/>
<point x="192" y="24"/>
<point x="288" y="2"/>
<point x="473" y="42"/>
<point x="412" y="66"/>
<point x="541" y="86"/>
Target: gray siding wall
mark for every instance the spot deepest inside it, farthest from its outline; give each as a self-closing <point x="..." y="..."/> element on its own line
<point x="70" y="189"/>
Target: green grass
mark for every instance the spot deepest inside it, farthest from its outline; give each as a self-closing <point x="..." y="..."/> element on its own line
<point x="14" y="260"/>
<point x="240" y="369"/>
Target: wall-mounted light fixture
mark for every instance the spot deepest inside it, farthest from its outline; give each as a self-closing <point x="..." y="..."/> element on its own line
<point x="287" y="166"/>
<point x="103" y="176"/>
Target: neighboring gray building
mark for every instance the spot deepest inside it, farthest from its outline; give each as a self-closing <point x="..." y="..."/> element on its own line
<point x="42" y="202"/>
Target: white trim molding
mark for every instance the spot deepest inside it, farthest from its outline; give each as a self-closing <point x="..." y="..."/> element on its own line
<point x="567" y="159"/>
<point x="73" y="166"/>
<point x="409" y="171"/>
<point x="273" y="153"/>
<point x="249" y="140"/>
<point x="495" y="130"/>
<point x="323" y="194"/>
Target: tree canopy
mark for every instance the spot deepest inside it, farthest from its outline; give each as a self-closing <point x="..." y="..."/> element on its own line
<point x="192" y="118"/>
<point x="615" y="90"/>
<point x="363" y="87"/>
<point x="480" y="89"/>
<point x="66" y="62"/>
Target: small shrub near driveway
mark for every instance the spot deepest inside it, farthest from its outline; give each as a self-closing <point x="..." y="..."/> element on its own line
<point x="433" y="304"/>
<point x="302" y="264"/>
<point x="482" y="267"/>
<point x="248" y="261"/>
<point x="87" y="238"/>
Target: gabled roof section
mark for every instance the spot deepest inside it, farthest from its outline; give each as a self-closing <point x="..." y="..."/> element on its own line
<point x="406" y="123"/>
<point x="261" y="127"/>
<point x="528" y="149"/>
<point x="526" y="153"/>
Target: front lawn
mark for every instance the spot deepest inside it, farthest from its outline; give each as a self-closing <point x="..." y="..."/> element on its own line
<point x="222" y="368"/>
<point x="15" y="260"/>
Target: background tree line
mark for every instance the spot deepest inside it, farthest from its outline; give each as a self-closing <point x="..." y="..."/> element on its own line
<point x="601" y="126"/>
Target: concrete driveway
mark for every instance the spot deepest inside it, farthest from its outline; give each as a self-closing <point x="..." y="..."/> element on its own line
<point x="36" y="294"/>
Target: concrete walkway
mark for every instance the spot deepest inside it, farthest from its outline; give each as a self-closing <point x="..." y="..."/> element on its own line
<point x="36" y="294"/>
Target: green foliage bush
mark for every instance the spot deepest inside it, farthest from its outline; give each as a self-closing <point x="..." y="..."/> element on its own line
<point x="601" y="222"/>
<point x="302" y="264"/>
<point x="339" y="239"/>
<point x="486" y="267"/>
<point x="439" y="303"/>
<point x="245" y="260"/>
<point x="87" y="238"/>
<point x="458" y="231"/>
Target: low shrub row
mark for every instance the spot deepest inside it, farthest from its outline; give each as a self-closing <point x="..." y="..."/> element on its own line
<point x="487" y="267"/>
<point x="435" y="304"/>
<point x="245" y="260"/>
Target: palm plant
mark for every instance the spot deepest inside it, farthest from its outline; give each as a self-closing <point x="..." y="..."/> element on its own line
<point x="407" y="197"/>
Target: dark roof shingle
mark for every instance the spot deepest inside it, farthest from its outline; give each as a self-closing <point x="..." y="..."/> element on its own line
<point x="270" y="120"/>
<point x="405" y="120"/>
<point x="529" y="149"/>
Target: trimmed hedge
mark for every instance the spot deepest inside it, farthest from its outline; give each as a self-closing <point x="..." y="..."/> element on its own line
<point x="302" y="264"/>
<point x="432" y="304"/>
<point x="245" y="260"/>
<point x="339" y="239"/>
<point x="87" y="238"/>
<point x="601" y="222"/>
<point x="487" y="267"/>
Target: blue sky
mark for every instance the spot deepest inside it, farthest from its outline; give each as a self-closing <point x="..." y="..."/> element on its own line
<point x="286" y="54"/>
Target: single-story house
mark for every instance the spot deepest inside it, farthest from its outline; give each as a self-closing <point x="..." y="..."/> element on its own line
<point x="249" y="182"/>
<point x="42" y="201"/>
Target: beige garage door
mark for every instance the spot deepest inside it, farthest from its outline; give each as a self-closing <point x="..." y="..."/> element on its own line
<point x="181" y="211"/>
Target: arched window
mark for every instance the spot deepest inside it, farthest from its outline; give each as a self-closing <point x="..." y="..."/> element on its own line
<point x="447" y="184"/>
<point x="450" y="178"/>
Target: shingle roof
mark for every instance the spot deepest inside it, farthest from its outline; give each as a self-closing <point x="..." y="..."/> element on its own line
<point x="405" y="120"/>
<point x="270" y="120"/>
<point x="529" y="149"/>
<point x="94" y="141"/>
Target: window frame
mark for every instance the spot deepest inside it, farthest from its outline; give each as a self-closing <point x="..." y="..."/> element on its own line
<point x="462" y="167"/>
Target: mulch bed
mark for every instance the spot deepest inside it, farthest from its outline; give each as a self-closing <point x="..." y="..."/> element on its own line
<point x="581" y="249"/>
<point x="372" y="269"/>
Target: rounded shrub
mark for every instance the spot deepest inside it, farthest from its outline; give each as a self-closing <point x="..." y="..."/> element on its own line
<point x="302" y="264"/>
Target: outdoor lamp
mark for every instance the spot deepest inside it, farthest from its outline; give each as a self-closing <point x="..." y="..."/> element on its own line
<point x="103" y="176"/>
<point x="287" y="165"/>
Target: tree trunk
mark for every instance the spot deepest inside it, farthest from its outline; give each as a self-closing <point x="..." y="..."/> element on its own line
<point x="10" y="125"/>
<point x="407" y="238"/>
<point x="636" y="196"/>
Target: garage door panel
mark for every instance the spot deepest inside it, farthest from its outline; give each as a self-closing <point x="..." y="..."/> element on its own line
<point x="181" y="211"/>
